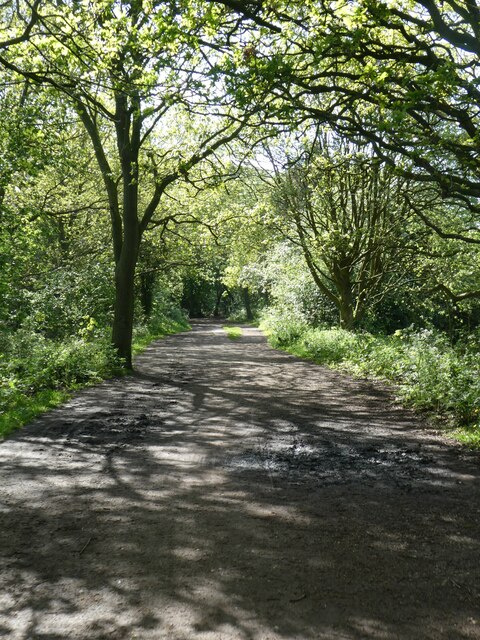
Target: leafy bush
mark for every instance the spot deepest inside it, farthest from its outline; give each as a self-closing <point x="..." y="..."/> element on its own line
<point x="165" y="319"/>
<point x="284" y="326"/>
<point x="330" y="346"/>
<point x="430" y="373"/>
<point x="57" y="306"/>
<point x="34" y="362"/>
<point x="36" y="371"/>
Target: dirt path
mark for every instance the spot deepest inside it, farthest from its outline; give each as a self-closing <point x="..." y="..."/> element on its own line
<point x="227" y="492"/>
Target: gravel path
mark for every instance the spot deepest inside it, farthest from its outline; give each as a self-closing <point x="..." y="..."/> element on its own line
<point x="231" y="492"/>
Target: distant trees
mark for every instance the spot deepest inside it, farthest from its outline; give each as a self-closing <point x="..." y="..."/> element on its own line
<point x="348" y="213"/>
<point x="160" y="88"/>
<point x="126" y="68"/>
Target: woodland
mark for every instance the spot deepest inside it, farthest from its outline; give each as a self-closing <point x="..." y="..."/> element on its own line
<point x="311" y="166"/>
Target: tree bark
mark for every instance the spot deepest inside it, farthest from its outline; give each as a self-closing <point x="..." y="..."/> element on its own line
<point x="219" y="290"/>
<point x="347" y="320"/>
<point x="147" y="286"/>
<point x="345" y="302"/>
<point x="122" y="328"/>
<point x="247" y="303"/>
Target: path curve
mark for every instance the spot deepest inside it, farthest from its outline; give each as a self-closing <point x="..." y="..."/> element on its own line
<point x="228" y="491"/>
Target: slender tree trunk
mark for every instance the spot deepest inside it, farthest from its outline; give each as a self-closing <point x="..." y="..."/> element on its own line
<point x="122" y="330"/>
<point x="147" y="287"/>
<point x="247" y="303"/>
<point x="218" y="299"/>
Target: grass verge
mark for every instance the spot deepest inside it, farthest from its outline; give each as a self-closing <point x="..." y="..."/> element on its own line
<point x="430" y="374"/>
<point x="234" y="333"/>
<point x="26" y="408"/>
<point x="145" y="334"/>
<point x="21" y="402"/>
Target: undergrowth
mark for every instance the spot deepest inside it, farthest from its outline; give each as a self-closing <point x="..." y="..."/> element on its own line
<point x="430" y="373"/>
<point x="37" y="373"/>
<point x="234" y="333"/>
<point x="158" y="327"/>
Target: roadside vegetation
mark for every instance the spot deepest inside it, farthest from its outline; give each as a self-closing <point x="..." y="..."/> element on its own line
<point x="166" y="161"/>
<point x="38" y="373"/>
<point x="430" y="374"/>
<point x="234" y="333"/>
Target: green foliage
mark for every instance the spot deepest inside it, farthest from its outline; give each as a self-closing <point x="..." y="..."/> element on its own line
<point x="33" y="363"/>
<point x="202" y="297"/>
<point x="283" y="326"/>
<point x="234" y="333"/>
<point x="429" y="372"/>
<point x="164" y="322"/>
<point x="347" y="212"/>
<point x="282" y="276"/>
<point x="63" y="302"/>
<point x="469" y="436"/>
<point x="37" y="372"/>
<point x="26" y="408"/>
<point x="238" y="315"/>
<point x="329" y="346"/>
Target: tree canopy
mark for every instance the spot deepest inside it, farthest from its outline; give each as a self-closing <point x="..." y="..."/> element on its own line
<point x="129" y="115"/>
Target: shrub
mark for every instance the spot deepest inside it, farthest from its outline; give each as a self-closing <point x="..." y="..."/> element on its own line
<point x="330" y="346"/>
<point x="284" y="326"/>
<point x="430" y="373"/>
<point x="34" y="362"/>
<point x="164" y="321"/>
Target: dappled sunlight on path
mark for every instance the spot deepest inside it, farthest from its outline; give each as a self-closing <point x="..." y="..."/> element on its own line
<point x="227" y="491"/>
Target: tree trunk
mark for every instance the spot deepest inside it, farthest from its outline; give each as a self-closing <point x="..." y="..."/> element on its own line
<point x="347" y="320"/>
<point x="125" y="267"/>
<point x="122" y="332"/>
<point x="345" y="300"/>
<point x="218" y="299"/>
<point x="346" y="306"/>
<point x="247" y="303"/>
<point x="147" y="287"/>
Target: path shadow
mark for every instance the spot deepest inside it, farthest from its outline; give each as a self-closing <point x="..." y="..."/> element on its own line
<point x="227" y="491"/>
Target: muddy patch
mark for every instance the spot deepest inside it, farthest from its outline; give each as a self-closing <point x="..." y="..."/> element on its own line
<point x="107" y="433"/>
<point x="330" y="464"/>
